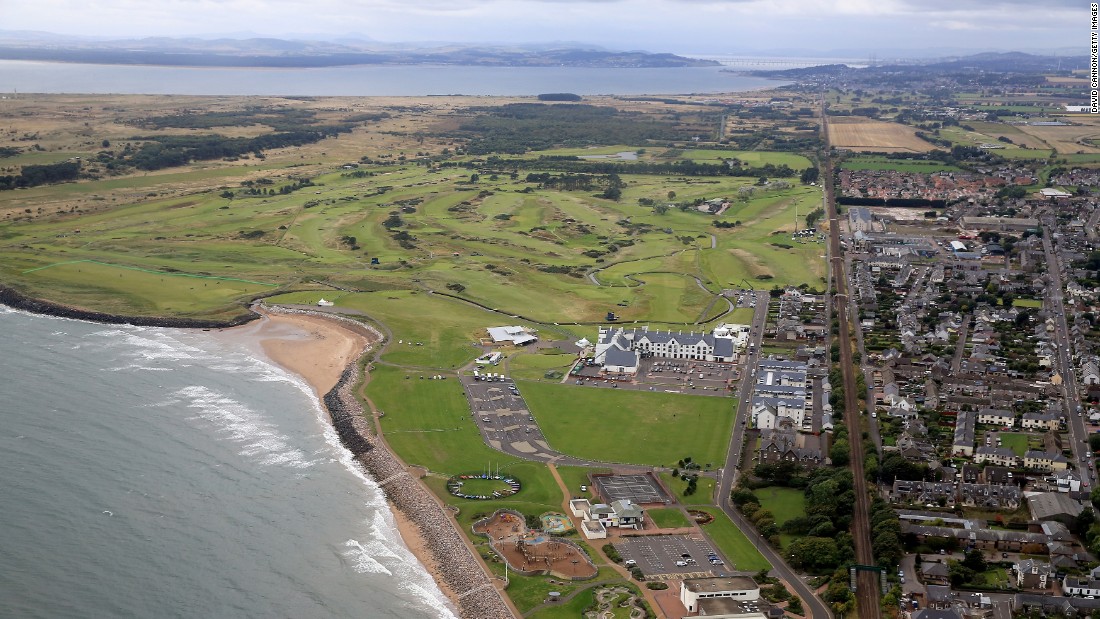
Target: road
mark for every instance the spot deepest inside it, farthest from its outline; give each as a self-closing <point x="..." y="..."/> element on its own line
<point x="727" y="475"/>
<point x="1055" y="306"/>
<point x="867" y="589"/>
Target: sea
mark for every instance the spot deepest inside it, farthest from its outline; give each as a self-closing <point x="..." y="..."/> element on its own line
<point x="17" y="76"/>
<point x="153" y="472"/>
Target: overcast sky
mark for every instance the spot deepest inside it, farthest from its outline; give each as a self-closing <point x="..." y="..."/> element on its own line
<point x="682" y="26"/>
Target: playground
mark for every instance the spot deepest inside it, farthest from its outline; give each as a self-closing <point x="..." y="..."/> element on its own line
<point x="531" y="552"/>
<point x="556" y="523"/>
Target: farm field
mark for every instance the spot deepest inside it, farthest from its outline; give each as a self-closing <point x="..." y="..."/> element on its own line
<point x="864" y="134"/>
<point x="1068" y="139"/>
<point x="648" y="428"/>
<point x="958" y="135"/>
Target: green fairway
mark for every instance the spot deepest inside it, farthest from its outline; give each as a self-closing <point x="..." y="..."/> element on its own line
<point x="784" y="503"/>
<point x="733" y="543"/>
<point x="668" y="518"/>
<point x="126" y="290"/>
<point x="636" y="427"/>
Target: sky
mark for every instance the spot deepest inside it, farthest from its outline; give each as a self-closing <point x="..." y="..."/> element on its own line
<point x="879" y="28"/>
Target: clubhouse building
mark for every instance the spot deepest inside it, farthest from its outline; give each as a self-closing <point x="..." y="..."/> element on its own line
<point x="619" y="349"/>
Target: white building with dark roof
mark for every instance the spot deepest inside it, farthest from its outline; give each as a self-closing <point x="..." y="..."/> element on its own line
<point x="619" y="349"/>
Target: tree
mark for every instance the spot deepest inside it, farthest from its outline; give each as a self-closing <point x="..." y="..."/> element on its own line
<point x="813" y="552"/>
<point x="660" y="209"/>
<point x="959" y="573"/>
<point x="671" y="195"/>
<point x="840" y="453"/>
<point x="474" y="178"/>
<point x="809" y="175"/>
<point x="974" y="560"/>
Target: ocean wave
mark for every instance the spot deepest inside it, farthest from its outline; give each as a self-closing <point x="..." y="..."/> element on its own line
<point x="136" y="366"/>
<point x="362" y="558"/>
<point x="243" y="425"/>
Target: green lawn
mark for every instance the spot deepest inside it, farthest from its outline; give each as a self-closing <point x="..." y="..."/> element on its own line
<point x="1027" y="303"/>
<point x="704" y="489"/>
<point x="576" y="476"/>
<point x="534" y="366"/>
<point x="668" y="517"/>
<point x="428" y="422"/>
<point x="1016" y="441"/>
<point x="636" y="427"/>
<point x="733" y="543"/>
<point x="123" y="289"/>
<point x="784" y="503"/>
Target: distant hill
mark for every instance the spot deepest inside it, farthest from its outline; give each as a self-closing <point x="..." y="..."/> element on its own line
<point x="273" y="52"/>
<point x="996" y="62"/>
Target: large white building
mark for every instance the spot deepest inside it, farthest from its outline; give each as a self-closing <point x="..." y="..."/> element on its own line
<point x="619" y="349"/>
<point x="740" y="588"/>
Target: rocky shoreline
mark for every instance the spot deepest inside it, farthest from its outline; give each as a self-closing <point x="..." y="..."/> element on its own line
<point x="455" y="565"/>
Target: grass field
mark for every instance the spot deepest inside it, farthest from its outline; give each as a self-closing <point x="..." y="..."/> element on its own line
<point x="704" y="490"/>
<point x="899" y="165"/>
<point x="668" y="517"/>
<point x="733" y="543"/>
<point x="1017" y="442"/>
<point x="428" y="422"/>
<point x="634" y="427"/>
<point x="784" y="503"/>
<point x="1027" y="303"/>
<point x="864" y="134"/>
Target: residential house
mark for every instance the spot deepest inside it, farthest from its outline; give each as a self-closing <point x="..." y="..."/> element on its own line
<point x="1082" y="586"/>
<point x="934" y="573"/>
<point x="964" y="434"/>
<point x="1033" y="574"/>
<point x="1049" y="420"/>
<point x="1045" y="461"/>
<point x="997" y="417"/>
<point x="784" y="444"/>
<point x="1001" y="456"/>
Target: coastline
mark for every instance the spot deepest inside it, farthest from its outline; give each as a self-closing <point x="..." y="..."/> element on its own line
<point x="426" y="529"/>
<point x="326" y="350"/>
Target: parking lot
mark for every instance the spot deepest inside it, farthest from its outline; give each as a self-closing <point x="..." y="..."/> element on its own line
<point x="683" y="556"/>
<point x="667" y="375"/>
<point x="502" y="416"/>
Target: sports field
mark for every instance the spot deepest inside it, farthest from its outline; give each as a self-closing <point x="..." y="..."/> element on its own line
<point x="635" y="427"/>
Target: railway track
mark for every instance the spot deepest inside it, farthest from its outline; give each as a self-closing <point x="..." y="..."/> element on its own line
<point x="867" y="584"/>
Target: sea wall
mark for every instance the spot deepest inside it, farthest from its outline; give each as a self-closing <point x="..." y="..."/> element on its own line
<point x="455" y="564"/>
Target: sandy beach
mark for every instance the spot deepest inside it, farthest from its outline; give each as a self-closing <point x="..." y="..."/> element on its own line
<point x="319" y="349"/>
